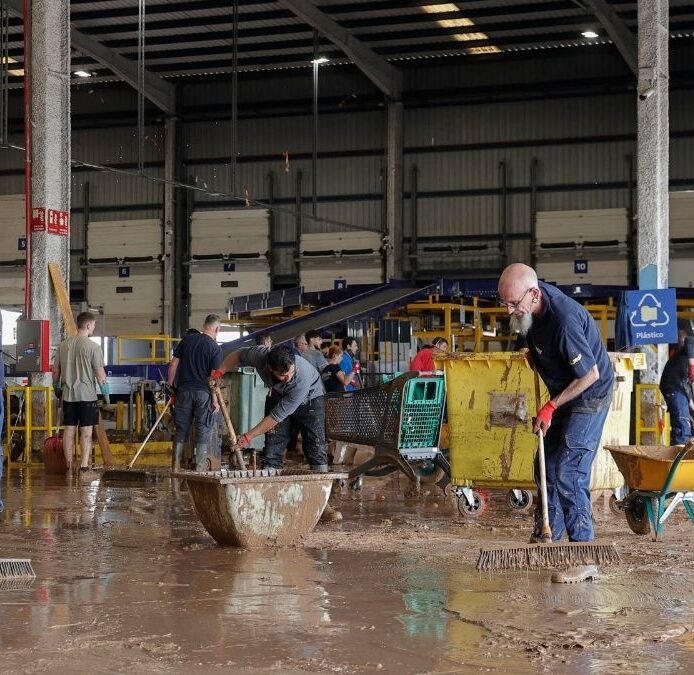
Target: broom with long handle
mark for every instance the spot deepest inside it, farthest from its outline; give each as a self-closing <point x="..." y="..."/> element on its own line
<point x="546" y="554"/>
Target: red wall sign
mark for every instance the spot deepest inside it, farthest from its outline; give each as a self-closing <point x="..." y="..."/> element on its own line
<point x="38" y="220"/>
<point x="59" y="222"/>
<point x="51" y="220"/>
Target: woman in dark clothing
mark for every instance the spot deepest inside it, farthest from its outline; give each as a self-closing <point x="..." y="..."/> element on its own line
<point x="333" y="378"/>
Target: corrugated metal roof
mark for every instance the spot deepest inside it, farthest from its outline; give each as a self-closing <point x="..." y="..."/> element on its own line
<point x="189" y="37"/>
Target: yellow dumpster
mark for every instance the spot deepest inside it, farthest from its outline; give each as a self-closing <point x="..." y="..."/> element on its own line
<point x="491" y="402"/>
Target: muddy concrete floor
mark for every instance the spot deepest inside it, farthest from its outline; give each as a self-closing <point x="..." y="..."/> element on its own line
<point x="128" y="581"/>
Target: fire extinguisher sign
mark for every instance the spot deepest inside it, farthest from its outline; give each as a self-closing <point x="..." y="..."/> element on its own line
<point x="50" y="220"/>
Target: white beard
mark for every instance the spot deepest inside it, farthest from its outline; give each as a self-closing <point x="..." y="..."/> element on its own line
<point x="521" y="324"/>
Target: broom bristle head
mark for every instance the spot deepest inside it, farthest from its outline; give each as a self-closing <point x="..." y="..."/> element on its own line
<point x="540" y="556"/>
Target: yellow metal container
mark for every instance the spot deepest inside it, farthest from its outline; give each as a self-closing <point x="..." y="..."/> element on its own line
<point x="491" y="402"/>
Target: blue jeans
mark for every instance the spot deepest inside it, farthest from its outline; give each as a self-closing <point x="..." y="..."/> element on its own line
<point x="680" y="421"/>
<point x="571" y="446"/>
<point x="309" y="419"/>
<point x="194" y="406"/>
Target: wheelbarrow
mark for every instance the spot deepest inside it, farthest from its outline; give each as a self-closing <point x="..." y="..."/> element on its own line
<point x="658" y="479"/>
<point x="259" y="508"/>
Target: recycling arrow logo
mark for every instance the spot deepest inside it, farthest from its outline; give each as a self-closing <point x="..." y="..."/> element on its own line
<point x="649" y="314"/>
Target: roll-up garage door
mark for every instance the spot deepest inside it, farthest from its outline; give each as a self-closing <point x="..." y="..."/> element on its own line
<point x="352" y="257"/>
<point x="229" y="256"/>
<point x="682" y="239"/>
<point x="125" y="274"/>
<point x="12" y="251"/>
<point x="587" y="246"/>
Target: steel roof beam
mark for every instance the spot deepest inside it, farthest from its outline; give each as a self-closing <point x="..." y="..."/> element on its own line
<point x="158" y="91"/>
<point x="624" y="39"/>
<point x="386" y="77"/>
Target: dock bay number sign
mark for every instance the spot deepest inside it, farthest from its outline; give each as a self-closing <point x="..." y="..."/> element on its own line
<point x="653" y="316"/>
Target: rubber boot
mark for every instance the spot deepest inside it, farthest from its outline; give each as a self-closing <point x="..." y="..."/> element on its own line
<point x="575" y="575"/>
<point x="177" y="455"/>
<point x="201" y="451"/>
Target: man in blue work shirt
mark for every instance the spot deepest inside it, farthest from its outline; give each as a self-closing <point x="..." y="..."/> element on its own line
<point x="676" y="386"/>
<point x="567" y="352"/>
<point x="195" y="359"/>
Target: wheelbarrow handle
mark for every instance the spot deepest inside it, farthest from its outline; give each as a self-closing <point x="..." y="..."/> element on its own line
<point x="689" y="446"/>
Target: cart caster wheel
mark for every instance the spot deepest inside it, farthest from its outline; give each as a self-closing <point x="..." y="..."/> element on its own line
<point x="521" y="505"/>
<point x="357" y="484"/>
<point x="616" y="505"/>
<point x="428" y="472"/>
<point x="480" y="503"/>
<point x="637" y="516"/>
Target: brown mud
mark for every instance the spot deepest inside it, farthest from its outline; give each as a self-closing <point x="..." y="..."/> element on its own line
<point x="128" y="581"/>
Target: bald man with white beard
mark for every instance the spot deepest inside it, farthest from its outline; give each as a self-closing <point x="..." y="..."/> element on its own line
<point x="566" y="350"/>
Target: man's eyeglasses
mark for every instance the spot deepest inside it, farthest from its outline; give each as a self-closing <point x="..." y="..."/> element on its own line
<point x="514" y="305"/>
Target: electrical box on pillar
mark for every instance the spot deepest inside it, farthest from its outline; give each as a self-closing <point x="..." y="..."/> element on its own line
<point x="33" y="346"/>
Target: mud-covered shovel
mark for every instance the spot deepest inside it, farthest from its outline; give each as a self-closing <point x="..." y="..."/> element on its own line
<point x="217" y="392"/>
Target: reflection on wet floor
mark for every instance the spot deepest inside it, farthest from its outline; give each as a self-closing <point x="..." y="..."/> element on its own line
<point x="129" y="581"/>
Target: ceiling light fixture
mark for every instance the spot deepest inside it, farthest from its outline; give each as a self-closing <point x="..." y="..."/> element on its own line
<point x="590" y="34"/>
<point x="320" y="60"/>
<point x="82" y="73"/>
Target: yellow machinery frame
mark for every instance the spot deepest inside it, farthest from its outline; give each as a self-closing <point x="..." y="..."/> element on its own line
<point x="661" y="433"/>
<point x="28" y="428"/>
<point x="153" y="341"/>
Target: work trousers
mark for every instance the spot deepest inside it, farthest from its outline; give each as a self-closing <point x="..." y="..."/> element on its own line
<point x="309" y="419"/>
<point x="193" y="405"/>
<point x="680" y="421"/>
<point x="571" y="446"/>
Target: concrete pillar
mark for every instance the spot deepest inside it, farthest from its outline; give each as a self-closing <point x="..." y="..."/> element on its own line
<point x="169" y="224"/>
<point x="653" y="156"/>
<point x="50" y="158"/>
<point x="394" y="162"/>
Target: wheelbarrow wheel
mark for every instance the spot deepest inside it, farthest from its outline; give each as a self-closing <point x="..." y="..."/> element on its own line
<point x="479" y="504"/>
<point x="637" y="516"/>
<point x="522" y="504"/>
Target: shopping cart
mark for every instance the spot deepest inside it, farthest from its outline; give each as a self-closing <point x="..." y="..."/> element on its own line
<point x="401" y="419"/>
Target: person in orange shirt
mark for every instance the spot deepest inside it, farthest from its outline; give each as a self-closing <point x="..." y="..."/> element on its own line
<point x="424" y="361"/>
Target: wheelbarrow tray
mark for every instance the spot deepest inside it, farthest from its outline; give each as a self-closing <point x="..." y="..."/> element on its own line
<point x="257" y="509"/>
<point x="646" y="467"/>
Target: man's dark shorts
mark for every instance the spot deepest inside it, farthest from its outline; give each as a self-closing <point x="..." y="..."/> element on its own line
<point x="80" y="414"/>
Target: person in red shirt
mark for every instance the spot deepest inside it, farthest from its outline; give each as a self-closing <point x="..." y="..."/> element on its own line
<point x="424" y="361"/>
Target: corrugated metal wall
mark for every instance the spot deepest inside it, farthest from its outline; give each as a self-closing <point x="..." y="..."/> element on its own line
<point x="580" y="143"/>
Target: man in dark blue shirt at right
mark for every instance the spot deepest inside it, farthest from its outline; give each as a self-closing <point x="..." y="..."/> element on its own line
<point x="567" y="352"/>
<point x="676" y="386"/>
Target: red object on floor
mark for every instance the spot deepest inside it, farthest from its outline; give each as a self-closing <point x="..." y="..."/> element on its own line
<point x="54" y="456"/>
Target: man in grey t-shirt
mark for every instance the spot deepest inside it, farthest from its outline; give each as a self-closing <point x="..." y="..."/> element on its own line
<point x="78" y="362"/>
<point x="296" y="400"/>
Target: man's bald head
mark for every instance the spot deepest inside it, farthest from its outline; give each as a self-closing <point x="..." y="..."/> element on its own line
<point x="515" y="280"/>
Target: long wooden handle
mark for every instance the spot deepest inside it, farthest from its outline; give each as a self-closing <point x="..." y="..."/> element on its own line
<point x="230" y="427"/>
<point x="546" y="535"/>
<point x="149" y="435"/>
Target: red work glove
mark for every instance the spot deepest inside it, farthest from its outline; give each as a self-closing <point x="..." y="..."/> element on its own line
<point x="544" y="417"/>
<point x="243" y="441"/>
<point x="356" y="367"/>
<point x="691" y="372"/>
<point x="217" y="374"/>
